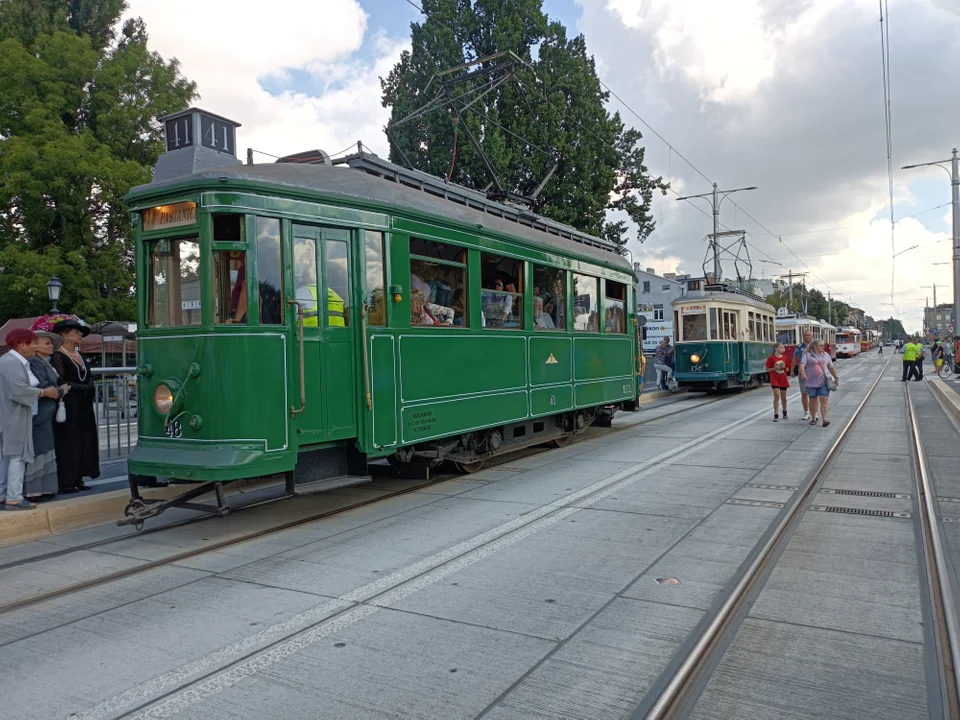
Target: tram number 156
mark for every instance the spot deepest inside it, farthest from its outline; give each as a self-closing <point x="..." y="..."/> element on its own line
<point x="174" y="429"/>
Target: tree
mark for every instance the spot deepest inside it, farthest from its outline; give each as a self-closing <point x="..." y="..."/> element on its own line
<point x="78" y="128"/>
<point x="553" y="114"/>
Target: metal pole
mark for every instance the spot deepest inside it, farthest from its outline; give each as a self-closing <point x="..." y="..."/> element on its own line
<point x="830" y="308"/>
<point x="955" y="183"/>
<point x="716" y="229"/>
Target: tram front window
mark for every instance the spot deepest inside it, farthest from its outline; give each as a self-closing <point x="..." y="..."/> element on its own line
<point x="174" y="276"/>
<point x="695" y="327"/>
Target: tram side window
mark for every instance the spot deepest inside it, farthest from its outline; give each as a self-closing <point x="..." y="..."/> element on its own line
<point x="586" y="293"/>
<point x="335" y="270"/>
<point x="714" y="325"/>
<point x="501" y="293"/>
<point x="305" y="279"/>
<point x="375" y="291"/>
<point x="269" y="271"/>
<point x="438" y="284"/>
<point x="549" y="298"/>
<point x="752" y="326"/>
<point x="615" y="312"/>
<point x="230" y="287"/>
<point x="175" y="299"/>
<point x="733" y="327"/>
<point x="695" y="327"/>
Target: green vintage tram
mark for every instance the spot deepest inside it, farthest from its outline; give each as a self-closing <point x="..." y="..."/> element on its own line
<point x="724" y="337"/>
<point x="304" y="316"/>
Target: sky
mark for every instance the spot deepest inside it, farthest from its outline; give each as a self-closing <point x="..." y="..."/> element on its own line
<point x="786" y="95"/>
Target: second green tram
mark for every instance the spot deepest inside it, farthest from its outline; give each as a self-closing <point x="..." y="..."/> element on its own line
<point x="303" y="318"/>
<point x="724" y="337"/>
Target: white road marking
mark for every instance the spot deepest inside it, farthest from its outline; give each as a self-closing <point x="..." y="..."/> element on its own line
<point x="391" y="589"/>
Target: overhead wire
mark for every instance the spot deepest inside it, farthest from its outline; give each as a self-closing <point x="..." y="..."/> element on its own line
<point x="672" y="150"/>
<point x="888" y="128"/>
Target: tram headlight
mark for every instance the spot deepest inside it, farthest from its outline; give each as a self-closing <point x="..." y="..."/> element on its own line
<point x="162" y="399"/>
<point x="694" y="358"/>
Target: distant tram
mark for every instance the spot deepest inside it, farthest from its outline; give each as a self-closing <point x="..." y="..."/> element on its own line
<point x="849" y="341"/>
<point x="870" y="340"/>
<point x="790" y="330"/>
<point x="724" y="337"/>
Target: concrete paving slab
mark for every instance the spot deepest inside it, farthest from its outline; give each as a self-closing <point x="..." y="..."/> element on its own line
<point x="606" y="669"/>
<point x="636" y="450"/>
<point x="393" y="665"/>
<point x="134" y="641"/>
<point x="734" y="453"/>
<point x="777" y="671"/>
<point x="550" y="583"/>
<point x="763" y="494"/>
<point x="60" y="611"/>
<point x="547" y="484"/>
<point x="734" y="524"/>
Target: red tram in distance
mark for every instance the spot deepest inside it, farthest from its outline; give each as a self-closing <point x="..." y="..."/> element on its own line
<point x="870" y="340"/>
<point x="849" y="342"/>
<point x="790" y="330"/>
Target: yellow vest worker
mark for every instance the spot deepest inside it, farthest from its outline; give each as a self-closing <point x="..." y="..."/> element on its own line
<point x="909" y="352"/>
<point x="335" y="312"/>
<point x="335" y="316"/>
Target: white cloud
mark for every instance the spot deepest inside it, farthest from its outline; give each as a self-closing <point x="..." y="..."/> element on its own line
<point x="228" y="49"/>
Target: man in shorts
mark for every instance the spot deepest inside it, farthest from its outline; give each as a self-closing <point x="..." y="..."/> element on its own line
<point x="797" y="354"/>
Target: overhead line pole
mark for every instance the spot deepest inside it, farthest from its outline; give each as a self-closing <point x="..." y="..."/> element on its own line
<point x="716" y="198"/>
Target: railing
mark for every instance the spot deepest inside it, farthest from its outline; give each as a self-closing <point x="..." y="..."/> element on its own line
<point x="116" y="406"/>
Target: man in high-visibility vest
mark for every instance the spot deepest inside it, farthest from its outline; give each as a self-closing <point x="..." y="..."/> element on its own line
<point x="307" y="297"/>
<point x="910" y="361"/>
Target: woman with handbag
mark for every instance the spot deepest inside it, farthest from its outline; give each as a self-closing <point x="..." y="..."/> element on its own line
<point x="816" y="369"/>
<point x="77" y="439"/>
<point x="40" y="482"/>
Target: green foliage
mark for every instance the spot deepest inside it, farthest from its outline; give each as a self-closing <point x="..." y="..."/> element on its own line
<point x="557" y="105"/>
<point x="78" y="129"/>
<point x="892" y="328"/>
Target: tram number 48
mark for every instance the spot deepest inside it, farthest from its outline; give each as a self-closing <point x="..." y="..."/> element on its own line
<point x="174" y="429"/>
<point x="553" y="399"/>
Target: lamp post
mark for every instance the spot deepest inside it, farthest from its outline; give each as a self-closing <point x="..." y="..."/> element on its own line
<point x="715" y="202"/>
<point x="54" y="288"/>
<point x="954" y="173"/>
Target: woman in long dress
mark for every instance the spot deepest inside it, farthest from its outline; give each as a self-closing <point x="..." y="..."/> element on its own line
<point x="41" y="480"/>
<point x="77" y="440"/>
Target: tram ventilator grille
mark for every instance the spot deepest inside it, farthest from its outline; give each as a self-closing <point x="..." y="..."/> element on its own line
<point x="866" y="493"/>
<point x="860" y="511"/>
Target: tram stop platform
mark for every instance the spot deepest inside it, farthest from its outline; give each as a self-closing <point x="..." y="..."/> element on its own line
<point x="696" y="559"/>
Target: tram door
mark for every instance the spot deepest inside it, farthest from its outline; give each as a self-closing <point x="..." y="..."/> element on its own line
<point x="322" y="272"/>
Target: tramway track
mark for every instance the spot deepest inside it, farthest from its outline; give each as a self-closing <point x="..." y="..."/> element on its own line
<point x="178" y="557"/>
<point x="685" y="679"/>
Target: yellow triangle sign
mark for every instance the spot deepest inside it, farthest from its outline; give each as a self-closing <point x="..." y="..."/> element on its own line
<point x="551" y="360"/>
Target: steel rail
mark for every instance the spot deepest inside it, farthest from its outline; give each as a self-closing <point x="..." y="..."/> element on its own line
<point x="678" y="690"/>
<point x="938" y="576"/>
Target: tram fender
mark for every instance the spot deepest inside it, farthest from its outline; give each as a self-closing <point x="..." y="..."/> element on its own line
<point x="190" y="463"/>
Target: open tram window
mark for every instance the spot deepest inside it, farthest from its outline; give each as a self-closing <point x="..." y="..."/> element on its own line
<point x="549" y="298"/>
<point x="615" y="309"/>
<point x="751" y="326"/>
<point x="438" y="284"/>
<point x="375" y="291"/>
<point x="174" y="273"/>
<point x="586" y="294"/>
<point x="230" y="287"/>
<point x="501" y="291"/>
<point x="270" y="271"/>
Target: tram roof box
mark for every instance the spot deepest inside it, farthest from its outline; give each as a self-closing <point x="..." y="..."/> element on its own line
<point x="195" y="140"/>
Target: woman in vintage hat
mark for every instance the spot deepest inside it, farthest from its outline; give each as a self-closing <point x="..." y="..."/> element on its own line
<point x="77" y="441"/>
<point x="41" y="482"/>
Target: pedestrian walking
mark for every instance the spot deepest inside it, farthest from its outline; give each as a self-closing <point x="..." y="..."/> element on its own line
<point x="797" y="357"/>
<point x="909" y="362"/>
<point x="19" y="393"/>
<point x="814" y="370"/>
<point x="77" y="440"/>
<point x="779" y="380"/>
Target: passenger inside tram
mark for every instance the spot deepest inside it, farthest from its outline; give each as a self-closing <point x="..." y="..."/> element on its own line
<point x="541" y="320"/>
<point x="695" y="327"/>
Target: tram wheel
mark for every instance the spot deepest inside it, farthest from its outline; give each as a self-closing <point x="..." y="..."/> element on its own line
<point x="468" y="468"/>
<point x="562" y="441"/>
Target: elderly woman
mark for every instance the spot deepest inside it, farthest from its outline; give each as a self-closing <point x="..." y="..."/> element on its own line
<point x="19" y="395"/>
<point x="76" y="441"/>
<point x="41" y="479"/>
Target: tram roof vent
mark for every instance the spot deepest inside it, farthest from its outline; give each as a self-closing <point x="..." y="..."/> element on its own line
<point x="309" y="157"/>
<point x="195" y="140"/>
<point x="439" y="187"/>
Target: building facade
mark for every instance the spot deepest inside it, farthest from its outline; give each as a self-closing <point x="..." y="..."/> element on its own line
<point x="655" y="293"/>
<point x="938" y="321"/>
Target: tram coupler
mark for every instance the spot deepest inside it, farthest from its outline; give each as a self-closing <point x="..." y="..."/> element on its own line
<point x="140" y="509"/>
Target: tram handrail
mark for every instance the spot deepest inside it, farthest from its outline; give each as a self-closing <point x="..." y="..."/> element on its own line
<point x="930" y="529"/>
<point x="366" y="356"/>
<point x="673" y="694"/>
<point x="303" y="376"/>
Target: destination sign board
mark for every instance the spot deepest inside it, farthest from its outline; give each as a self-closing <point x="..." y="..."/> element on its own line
<point x="169" y="216"/>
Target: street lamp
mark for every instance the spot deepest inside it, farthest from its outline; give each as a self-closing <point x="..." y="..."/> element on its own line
<point x="954" y="173"/>
<point x="715" y="201"/>
<point x="54" y="287"/>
